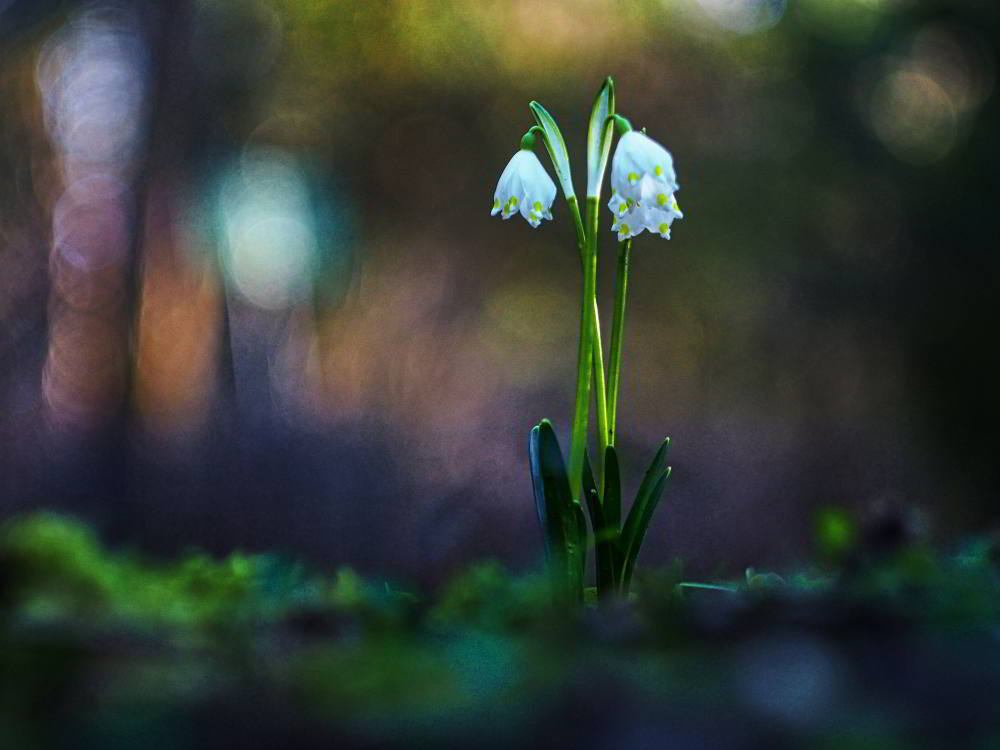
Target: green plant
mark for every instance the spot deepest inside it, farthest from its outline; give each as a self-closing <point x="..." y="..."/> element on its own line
<point x="643" y="184"/>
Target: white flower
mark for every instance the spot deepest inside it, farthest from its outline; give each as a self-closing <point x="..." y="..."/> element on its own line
<point x="637" y="156"/>
<point x="633" y="217"/>
<point x="643" y="183"/>
<point x="524" y="186"/>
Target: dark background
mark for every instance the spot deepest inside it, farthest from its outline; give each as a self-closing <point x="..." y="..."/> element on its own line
<point x="251" y="296"/>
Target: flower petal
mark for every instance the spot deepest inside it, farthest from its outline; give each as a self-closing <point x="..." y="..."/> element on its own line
<point x="526" y="188"/>
<point x="636" y="157"/>
<point x="643" y="183"/>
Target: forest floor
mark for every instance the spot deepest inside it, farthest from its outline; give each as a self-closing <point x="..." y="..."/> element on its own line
<point x="889" y="645"/>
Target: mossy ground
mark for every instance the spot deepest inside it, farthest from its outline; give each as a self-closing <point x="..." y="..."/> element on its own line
<point x="899" y="648"/>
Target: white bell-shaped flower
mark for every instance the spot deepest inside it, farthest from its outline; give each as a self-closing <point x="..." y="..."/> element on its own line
<point x="656" y="213"/>
<point x="643" y="183"/>
<point x="524" y="187"/>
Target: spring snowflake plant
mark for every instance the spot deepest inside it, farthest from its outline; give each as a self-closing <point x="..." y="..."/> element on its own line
<point x="643" y="187"/>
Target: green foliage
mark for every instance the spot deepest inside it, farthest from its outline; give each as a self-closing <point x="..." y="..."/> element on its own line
<point x="487" y="597"/>
<point x="641" y="513"/>
<point x="60" y="572"/>
<point x="616" y="547"/>
<point x="488" y="651"/>
<point x="605" y="536"/>
<point x="599" y="132"/>
<point x="836" y="534"/>
<point x="556" y="146"/>
<point x="560" y="515"/>
<point x="612" y="497"/>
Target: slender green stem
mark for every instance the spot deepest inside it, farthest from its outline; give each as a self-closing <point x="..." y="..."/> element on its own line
<point x="597" y="354"/>
<point x="528" y="139"/>
<point x="622" y="125"/>
<point x="578" y="439"/>
<point x="600" y="394"/>
<point x="617" y="331"/>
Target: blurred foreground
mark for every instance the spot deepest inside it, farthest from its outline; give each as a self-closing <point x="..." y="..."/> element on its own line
<point x="893" y="647"/>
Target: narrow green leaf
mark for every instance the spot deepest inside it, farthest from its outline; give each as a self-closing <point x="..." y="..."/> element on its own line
<point x="556" y="146"/>
<point x="648" y="507"/>
<point x="538" y="487"/>
<point x="589" y="483"/>
<point x="599" y="134"/>
<point x="612" y="489"/>
<point x="564" y="525"/>
<point x="645" y="505"/>
<point x="652" y="476"/>
<point x="707" y="587"/>
<point x="577" y="555"/>
<point x="641" y="512"/>
<point x="605" y="537"/>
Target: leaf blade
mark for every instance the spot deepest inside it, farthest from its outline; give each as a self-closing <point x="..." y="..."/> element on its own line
<point x="564" y="524"/>
<point x="641" y="512"/>
<point x="646" y="509"/>
<point x="612" y="489"/>
<point x="538" y="486"/>
<point x="605" y="538"/>
<point x="599" y="133"/>
<point x="556" y="146"/>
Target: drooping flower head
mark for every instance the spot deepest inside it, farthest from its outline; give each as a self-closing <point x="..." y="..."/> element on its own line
<point x="643" y="183"/>
<point x="524" y="187"/>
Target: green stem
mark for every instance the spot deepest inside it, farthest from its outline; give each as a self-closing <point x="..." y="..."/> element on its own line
<point x="597" y="354"/>
<point x="528" y="139"/>
<point x="622" y="125"/>
<point x="578" y="438"/>
<point x="617" y="331"/>
<point x="600" y="394"/>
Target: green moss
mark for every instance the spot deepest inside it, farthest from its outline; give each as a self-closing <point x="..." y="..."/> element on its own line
<point x="490" y="650"/>
<point x="487" y="597"/>
<point x="60" y="572"/>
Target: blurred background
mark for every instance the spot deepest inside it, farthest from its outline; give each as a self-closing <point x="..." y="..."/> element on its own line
<point x="251" y="296"/>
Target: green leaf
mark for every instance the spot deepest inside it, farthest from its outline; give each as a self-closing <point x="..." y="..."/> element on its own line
<point x="561" y="517"/>
<point x="577" y="555"/>
<point x="538" y="486"/>
<point x="605" y="537"/>
<point x="647" y="504"/>
<point x="612" y="489"/>
<point x="707" y="587"/>
<point x="641" y="512"/>
<point x="599" y="138"/>
<point x="557" y="147"/>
